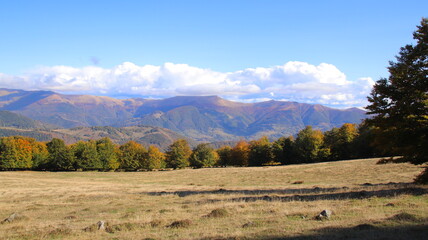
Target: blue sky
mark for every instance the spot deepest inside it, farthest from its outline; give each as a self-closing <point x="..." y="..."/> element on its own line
<point x="327" y="52"/>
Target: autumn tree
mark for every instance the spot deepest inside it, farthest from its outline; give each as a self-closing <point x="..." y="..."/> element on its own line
<point x="177" y="154"/>
<point x="60" y="156"/>
<point x="15" y="153"/>
<point x="132" y="155"/>
<point x="241" y="154"/>
<point x="40" y="155"/>
<point x="203" y="156"/>
<point x="399" y="104"/>
<point x="154" y="159"/>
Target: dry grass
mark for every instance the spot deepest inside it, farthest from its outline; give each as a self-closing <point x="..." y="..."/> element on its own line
<point x="368" y="201"/>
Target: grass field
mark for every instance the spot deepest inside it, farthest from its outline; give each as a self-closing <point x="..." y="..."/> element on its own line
<point x="368" y="201"/>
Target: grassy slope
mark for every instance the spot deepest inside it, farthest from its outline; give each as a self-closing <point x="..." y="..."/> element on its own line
<point x="59" y="205"/>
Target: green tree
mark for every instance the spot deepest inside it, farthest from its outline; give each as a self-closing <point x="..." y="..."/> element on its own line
<point x="177" y="154"/>
<point x="225" y="156"/>
<point x="60" y="156"/>
<point x="399" y="104"/>
<point x="308" y="145"/>
<point x="86" y="155"/>
<point x="154" y="159"/>
<point x="283" y="150"/>
<point x="132" y="155"/>
<point x="363" y="145"/>
<point x="203" y="156"/>
<point x="108" y="154"/>
<point x="340" y="141"/>
<point x="261" y="152"/>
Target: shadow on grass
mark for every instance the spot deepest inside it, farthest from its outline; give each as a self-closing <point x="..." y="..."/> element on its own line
<point x="331" y="196"/>
<point x="309" y="194"/>
<point x="363" y="231"/>
<point x="248" y="192"/>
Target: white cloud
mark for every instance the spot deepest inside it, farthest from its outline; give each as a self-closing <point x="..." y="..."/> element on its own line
<point x="294" y="81"/>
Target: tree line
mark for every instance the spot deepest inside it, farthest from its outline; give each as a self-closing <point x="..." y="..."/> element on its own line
<point x="310" y="145"/>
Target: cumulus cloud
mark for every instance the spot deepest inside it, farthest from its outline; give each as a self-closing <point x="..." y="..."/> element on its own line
<point x="293" y="81"/>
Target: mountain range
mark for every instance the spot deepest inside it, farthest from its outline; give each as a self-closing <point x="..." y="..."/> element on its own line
<point x="206" y="118"/>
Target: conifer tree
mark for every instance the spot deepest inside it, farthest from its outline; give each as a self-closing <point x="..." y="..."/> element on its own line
<point x="399" y="103"/>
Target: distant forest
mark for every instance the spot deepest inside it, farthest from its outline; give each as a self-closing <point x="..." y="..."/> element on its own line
<point x="350" y="141"/>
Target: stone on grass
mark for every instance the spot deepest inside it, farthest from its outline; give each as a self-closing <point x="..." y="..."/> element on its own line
<point x="324" y="215"/>
<point x="13" y="217"/>
<point x="99" y="226"/>
<point x="251" y="224"/>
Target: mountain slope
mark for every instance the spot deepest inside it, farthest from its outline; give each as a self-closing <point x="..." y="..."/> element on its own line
<point x="68" y="110"/>
<point x="213" y="118"/>
<point x="13" y="120"/>
<point x="209" y="118"/>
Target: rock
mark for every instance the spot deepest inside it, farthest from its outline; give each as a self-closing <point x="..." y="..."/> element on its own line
<point x="324" y="215"/>
<point x="298" y="182"/>
<point x="101" y="225"/>
<point x="248" y="224"/>
<point x="13" y="217"/>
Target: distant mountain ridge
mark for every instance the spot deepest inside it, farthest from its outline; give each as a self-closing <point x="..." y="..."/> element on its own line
<point x="12" y="120"/>
<point x="208" y="118"/>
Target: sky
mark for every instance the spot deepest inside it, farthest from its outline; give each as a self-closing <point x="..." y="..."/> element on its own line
<point x="326" y="52"/>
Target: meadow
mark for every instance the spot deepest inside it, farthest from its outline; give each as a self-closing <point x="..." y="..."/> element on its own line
<point x="367" y="200"/>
